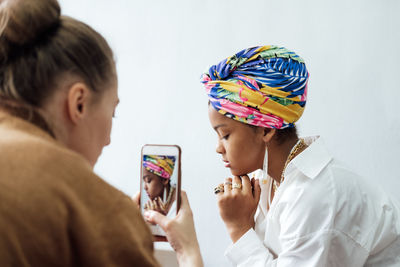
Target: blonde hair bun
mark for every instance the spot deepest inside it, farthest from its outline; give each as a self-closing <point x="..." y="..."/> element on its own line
<point x="23" y="22"/>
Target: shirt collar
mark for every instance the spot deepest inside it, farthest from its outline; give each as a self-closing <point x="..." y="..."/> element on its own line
<point x="312" y="160"/>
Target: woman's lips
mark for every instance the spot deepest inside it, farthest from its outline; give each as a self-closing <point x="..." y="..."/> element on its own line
<point x="227" y="164"/>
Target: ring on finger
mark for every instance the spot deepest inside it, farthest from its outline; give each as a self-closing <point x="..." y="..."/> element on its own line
<point x="218" y="189"/>
<point x="228" y="183"/>
<point x="236" y="186"/>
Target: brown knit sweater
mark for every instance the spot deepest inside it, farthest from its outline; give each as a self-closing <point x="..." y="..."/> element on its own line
<point x="54" y="211"/>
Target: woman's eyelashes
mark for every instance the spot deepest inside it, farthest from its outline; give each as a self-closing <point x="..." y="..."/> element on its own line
<point x="223" y="134"/>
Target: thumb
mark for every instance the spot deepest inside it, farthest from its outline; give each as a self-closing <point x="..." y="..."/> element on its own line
<point x="184" y="202"/>
<point x="156" y="218"/>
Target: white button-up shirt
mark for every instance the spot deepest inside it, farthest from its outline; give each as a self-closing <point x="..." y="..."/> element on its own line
<point x="321" y="215"/>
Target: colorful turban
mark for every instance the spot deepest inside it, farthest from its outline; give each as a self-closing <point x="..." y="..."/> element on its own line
<point x="162" y="166"/>
<point x="263" y="86"/>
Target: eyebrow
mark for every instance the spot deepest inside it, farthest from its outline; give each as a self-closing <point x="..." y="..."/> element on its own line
<point x="218" y="126"/>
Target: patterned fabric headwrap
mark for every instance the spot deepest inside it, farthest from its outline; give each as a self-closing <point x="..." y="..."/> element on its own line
<point x="162" y="166"/>
<point x="263" y="86"/>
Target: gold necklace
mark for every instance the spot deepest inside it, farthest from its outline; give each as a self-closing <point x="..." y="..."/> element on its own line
<point x="299" y="145"/>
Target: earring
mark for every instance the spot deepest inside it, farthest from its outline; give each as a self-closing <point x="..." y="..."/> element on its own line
<point x="265" y="165"/>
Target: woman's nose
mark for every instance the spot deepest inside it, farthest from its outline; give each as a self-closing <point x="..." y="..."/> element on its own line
<point x="219" y="148"/>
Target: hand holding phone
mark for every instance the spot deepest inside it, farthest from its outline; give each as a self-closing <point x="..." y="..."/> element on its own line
<point x="160" y="181"/>
<point x="181" y="233"/>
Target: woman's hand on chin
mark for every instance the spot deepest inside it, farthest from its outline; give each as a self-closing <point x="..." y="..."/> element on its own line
<point x="156" y="205"/>
<point x="238" y="204"/>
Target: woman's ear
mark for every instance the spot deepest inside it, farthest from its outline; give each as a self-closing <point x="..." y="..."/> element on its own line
<point x="268" y="134"/>
<point x="77" y="101"/>
<point x="165" y="181"/>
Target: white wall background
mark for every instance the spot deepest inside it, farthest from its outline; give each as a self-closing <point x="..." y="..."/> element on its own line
<point x="350" y="48"/>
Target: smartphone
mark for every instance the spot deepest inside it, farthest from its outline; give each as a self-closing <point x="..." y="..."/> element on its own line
<point x="160" y="181"/>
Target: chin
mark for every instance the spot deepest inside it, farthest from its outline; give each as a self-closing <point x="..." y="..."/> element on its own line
<point x="238" y="173"/>
<point x="241" y="172"/>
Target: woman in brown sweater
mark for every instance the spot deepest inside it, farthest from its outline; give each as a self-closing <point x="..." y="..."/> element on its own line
<point x="58" y="93"/>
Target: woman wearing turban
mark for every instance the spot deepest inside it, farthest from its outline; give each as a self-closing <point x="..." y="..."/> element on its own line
<point x="302" y="207"/>
<point x="157" y="173"/>
<point x="305" y="208"/>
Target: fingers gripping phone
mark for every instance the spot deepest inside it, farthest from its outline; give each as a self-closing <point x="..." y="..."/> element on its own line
<point x="160" y="181"/>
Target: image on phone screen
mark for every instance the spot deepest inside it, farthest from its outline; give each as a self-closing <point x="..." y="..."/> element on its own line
<point x="160" y="177"/>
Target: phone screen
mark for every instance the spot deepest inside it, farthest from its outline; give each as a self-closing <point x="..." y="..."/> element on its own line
<point x="160" y="181"/>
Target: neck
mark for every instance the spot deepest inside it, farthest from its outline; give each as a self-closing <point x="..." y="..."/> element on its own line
<point x="277" y="156"/>
<point x="57" y="129"/>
